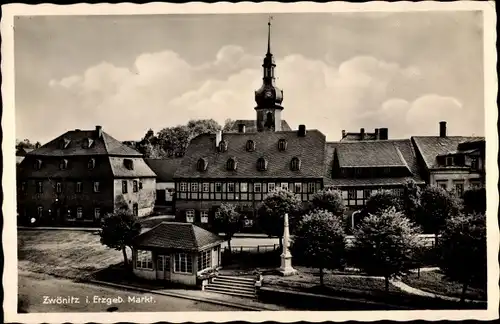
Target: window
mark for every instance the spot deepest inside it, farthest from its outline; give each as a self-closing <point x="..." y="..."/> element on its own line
<point x="194" y="186"/>
<point x="311" y="187"/>
<point x="135" y="186"/>
<point x="39" y="211"/>
<point x="23" y="186"/>
<point x="201" y="165"/>
<point x="230" y="187"/>
<point x="79" y="212"/>
<point x="257" y="187"/>
<point x="78" y="188"/>
<point x="282" y="145"/>
<point x="474" y="163"/>
<point x="206" y="187"/>
<point x="358" y="171"/>
<point x="295" y="164"/>
<point x="205" y="260"/>
<point x="58" y="187"/>
<point x="298" y="187"/>
<point x="222" y="146"/>
<point x="261" y="164"/>
<point x="367" y="193"/>
<point x="243" y="187"/>
<point x="88" y="143"/>
<point x="475" y="183"/>
<point x="449" y="160"/>
<point x="250" y="146"/>
<point x="63" y="165"/>
<point x="97" y="186"/>
<point x="204" y="216"/>
<point x="140" y="185"/>
<point x="91" y="164"/>
<point x="190" y="215"/>
<point x="135" y="209"/>
<point x="97" y="213"/>
<point x="271" y="186"/>
<point x="231" y="164"/>
<point x="37" y="165"/>
<point x="124" y="186"/>
<point x="144" y="260"/>
<point x="351" y="194"/>
<point x="39" y="187"/>
<point x="442" y="184"/>
<point x="284" y="185"/>
<point x="386" y="170"/>
<point x="183" y="263"/>
<point x="183" y="187"/>
<point x="459" y="188"/>
<point x="129" y="164"/>
<point x="399" y="192"/>
<point x="218" y="187"/>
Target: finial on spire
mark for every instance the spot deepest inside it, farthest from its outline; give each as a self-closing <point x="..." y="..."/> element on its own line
<point x="269" y="35"/>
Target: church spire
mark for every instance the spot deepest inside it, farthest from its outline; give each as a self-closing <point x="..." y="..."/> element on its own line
<point x="269" y="35"/>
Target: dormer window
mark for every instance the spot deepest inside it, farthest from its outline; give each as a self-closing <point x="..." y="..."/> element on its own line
<point x="37" y="165"/>
<point x="65" y="143"/>
<point x="222" y="146"/>
<point x="474" y="163"/>
<point x="129" y="164"/>
<point x="282" y="144"/>
<point x="201" y="165"/>
<point x="250" y="146"/>
<point x="231" y="164"/>
<point x="295" y="164"/>
<point x="261" y="164"/>
<point x="449" y="160"/>
<point x="87" y="143"/>
<point x="91" y="164"/>
<point x="63" y="165"/>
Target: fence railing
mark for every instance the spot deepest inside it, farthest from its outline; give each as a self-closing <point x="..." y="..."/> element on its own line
<point x="253" y="248"/>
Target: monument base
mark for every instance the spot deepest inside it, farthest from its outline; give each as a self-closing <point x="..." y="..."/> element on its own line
<point x="288" y="272"/>
<point x="286" y="268"/>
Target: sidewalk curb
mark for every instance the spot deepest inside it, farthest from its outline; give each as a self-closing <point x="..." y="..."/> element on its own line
<point x="211" y="301"/>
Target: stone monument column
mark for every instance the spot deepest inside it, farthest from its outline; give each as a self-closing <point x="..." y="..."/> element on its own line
<point x="286" y="268"/>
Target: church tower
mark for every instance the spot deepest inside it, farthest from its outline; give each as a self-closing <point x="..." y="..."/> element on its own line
<point x="269" y="96"/>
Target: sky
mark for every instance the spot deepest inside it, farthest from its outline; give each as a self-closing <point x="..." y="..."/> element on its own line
<point x="339" y="71"/>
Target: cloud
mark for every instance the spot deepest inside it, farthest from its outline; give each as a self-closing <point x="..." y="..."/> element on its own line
<point x="162" y="89"/>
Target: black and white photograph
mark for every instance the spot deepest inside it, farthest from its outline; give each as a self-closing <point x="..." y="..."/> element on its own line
<point x="296" y="161"/>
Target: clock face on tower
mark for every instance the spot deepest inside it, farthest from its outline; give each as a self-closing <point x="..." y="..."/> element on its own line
<point x="268" y="94"/>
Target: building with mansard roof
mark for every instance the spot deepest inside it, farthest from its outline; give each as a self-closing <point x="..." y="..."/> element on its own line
<point x="79" y="176"/>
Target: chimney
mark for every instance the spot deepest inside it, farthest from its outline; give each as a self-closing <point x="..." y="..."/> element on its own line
<point x="384" y="133"/>
<point x="343" y="133"/>
<point x="218" y="138"/>
<point x="442" y="129"/>
<point x="241" y="128"/>
<point x="377" y="134"/>
<point x="362" y="133"/>
<point x="98" y="130"/>
<point x="302" y="130"/>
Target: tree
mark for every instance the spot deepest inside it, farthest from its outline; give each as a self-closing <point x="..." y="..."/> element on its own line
<point x="228" y="124"/>
<point x="26" y="143"/>
<point x="272" y="210"/>
<point x="437" y="206"/>
<point x="475" y="200"/>
<point x="410" y="202"/>
<point x="319" y="241"/>
<point x="176" y="139"/>
<point x="118" y="229"/>
<point x="384" y="244"/>
<point x="228" y="221"/>
<point x="379" y="202"/>
<point x="463" y="250"/>
<point x="329" y="200"/>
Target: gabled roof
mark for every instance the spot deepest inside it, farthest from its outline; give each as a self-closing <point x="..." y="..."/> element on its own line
<point x="103" y="145"/>
<point x="164" y="168"/>
<point x="432" y="146"/>
<point x="309" y="149"/>
<point x="372" y="154"/>
<point x="177" y="236"/>
<point x="251" y="125"/>
<point x="357" y="137"/>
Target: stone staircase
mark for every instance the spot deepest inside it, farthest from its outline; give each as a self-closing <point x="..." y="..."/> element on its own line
<point x="235" y="286"/>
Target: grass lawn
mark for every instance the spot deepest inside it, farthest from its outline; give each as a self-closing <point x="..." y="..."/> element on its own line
<point x="309" y="278"/>
<point x="68" y="254"/>
<point x="435" y="282"/>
